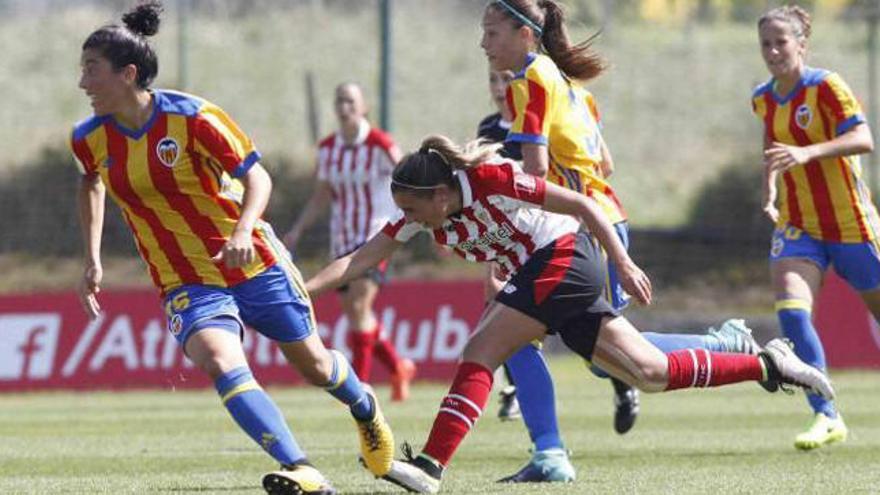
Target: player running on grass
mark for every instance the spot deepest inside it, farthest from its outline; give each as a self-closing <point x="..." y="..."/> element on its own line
<point x="555" y="123"/>
<point x="353" y="176"/>
<point x="544" y="239"/>
<point x="192" y="190"/>
<point x="814" y="130"/>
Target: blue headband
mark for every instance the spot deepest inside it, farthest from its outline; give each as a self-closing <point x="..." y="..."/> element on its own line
<point x="521" y="17"/>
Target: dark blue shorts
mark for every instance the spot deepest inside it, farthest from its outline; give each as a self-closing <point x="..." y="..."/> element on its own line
<point x="562" y="286"/>
<point x="273" y="303"/>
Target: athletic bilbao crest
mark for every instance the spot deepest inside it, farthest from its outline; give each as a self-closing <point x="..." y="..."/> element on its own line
<point x="803" y="116"/>
<point x="168" y="151"/>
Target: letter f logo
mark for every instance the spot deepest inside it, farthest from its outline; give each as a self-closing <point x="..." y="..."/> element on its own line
<point x="27" y="349"/>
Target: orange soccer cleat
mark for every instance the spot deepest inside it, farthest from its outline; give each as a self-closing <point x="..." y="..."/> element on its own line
<point x="406" y="371"/>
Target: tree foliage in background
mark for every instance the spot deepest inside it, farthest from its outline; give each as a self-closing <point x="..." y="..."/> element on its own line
<point x="725" y="238"/>
<point x="731" y="203"/>
<point x="38" y="201"/>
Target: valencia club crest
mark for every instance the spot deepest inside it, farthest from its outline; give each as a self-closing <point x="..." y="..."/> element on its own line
<point x="168" y="151"/>
<point x="803" y="116"/>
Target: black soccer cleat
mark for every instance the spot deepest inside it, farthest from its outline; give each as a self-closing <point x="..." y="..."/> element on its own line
<point x="626" y="406"/>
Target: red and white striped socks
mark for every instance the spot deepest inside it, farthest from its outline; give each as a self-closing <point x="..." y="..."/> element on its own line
<point x="459" y="411"/>
<point x="701" y="368"/>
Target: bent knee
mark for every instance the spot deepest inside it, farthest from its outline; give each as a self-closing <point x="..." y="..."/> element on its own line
<point x="216" y="366"/>
<point x="652" y="378"/>
<point x="318" y="372"/>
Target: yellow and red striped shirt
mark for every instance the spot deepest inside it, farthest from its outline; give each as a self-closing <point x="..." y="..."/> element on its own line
<point x="826" y="198"/>
<point x="551" y="111"/>
<point x="175" y="181"/>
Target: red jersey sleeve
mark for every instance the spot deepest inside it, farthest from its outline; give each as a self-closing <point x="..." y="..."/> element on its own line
<point x="508" y="180"/>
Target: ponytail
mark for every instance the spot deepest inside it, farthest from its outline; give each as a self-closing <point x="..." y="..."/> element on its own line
<point x="546" y="19"/>
<point x="578" y="61"/>
<point x="434" y="164"/>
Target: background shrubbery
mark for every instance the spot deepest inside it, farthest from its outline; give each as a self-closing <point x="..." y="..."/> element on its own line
<point x="675" y="106"/>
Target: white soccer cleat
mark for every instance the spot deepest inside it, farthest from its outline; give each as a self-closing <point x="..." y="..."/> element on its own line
<point x="412" y="478"/>
<point x="784" y="367"/>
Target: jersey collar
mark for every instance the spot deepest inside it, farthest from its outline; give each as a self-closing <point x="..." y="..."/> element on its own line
<point x="782" y="100"/>
<point x="529" y="59"/>
<point x="363" y="132"/>
<point x="139" y="133"/>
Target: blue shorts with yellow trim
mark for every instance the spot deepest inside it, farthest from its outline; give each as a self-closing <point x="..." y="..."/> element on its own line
<point x="272" y="303"/>
<point x="858" y="263"/>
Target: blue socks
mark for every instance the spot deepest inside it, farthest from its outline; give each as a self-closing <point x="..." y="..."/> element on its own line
<point x="536" y="396"/>
<point x="797" y="325"/>
<point x="345" y="386"/>
<point x="668" y="342"/>
<point x="257" y="415"/>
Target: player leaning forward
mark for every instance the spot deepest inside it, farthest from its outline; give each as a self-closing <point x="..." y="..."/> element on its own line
<point x="192" y="190"/>
<point x="532" y="229"/>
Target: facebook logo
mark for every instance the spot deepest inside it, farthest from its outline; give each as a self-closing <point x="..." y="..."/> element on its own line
<point x="28" y="342"/>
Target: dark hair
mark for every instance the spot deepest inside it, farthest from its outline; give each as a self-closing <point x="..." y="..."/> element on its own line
<point x="432" y="166"/>
<point x="795" y="16"/>
<point x="577" y="61"/>
<point x="124" y="45"/>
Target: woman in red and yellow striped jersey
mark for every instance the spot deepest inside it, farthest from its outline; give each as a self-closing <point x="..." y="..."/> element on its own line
<point x="192" y="190"/>
<point x="814" y="130"/>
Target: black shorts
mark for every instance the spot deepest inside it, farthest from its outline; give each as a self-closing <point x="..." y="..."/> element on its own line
<point x="561" y="286"/>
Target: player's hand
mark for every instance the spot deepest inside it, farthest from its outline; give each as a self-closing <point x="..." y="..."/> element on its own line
<point x="88" y="289"/>
<point x="635" y="282"/>
<point x="237" y="252"/>
<point x="781" y="157"/>
<point x="771" y="212"/>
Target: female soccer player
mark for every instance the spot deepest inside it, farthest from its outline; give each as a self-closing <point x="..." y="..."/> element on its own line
<point x="494" y="128"/>
<point x="532" y="230"/>
<point x="555" y="122"/>
<point x="813" y="131"/>
<point x="353" y="176"/>
<point x="190" y="186"/>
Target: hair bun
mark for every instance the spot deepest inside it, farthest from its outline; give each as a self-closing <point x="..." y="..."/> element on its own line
<point x="143" y="19"/>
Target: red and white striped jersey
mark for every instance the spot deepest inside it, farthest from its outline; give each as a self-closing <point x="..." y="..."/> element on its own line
<point x="501" y="219"/>
<point x="359" y="175"/>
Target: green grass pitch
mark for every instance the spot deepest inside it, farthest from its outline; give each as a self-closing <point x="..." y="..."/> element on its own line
<point x="732" y="440"/>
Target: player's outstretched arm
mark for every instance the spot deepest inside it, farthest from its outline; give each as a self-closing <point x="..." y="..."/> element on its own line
<point x="562" y="200"/>
<point x="536" y="160"/>
<point x="352" y="266"/>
